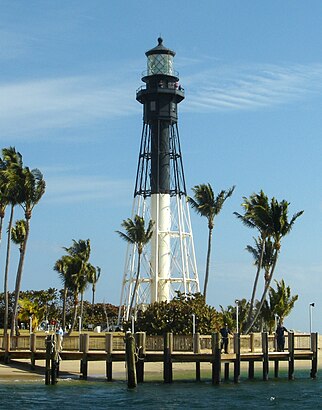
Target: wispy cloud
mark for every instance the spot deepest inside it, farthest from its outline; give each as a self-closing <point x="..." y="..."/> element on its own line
<point x="40" y="106"/>
<point x="62" y="189"/>
<point x="62" y="103"/>
<point x="251" y="87"/>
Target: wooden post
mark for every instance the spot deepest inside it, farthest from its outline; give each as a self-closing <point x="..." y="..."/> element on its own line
<point x="252" y="342"/>
<point x="130" y="360"/>
<point x="251" y="369"/>
<point x="196" y="350"/>
<point x="314" y="348"/>
<point x="109" y="351"/>
<point x="216" y="358"/>
<point x="49" y="347"/>
<point x="276" y="368"/>
<point x="237" y="360"/>
<point x="140" y="338"/>
<point x="265" y="355"/>
<point x="226" y="371"/>
<point x="33" y="339"/>
<point x="7" y="347"/>
<point x="84" y="362"/>
<point x="291" y="356"/>
<point x="167" y="361"/>
<point x="54" y="360"/>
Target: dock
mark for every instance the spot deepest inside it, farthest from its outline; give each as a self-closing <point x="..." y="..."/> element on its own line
<point x="168" y="349"/>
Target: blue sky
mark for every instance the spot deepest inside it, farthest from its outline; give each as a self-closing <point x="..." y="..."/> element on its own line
<point x="252" y="73"/>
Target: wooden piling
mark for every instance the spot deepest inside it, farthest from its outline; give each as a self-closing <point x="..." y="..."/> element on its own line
<point x="314" y="348"/>
<point x="237" y="360"/>
<point x="251" y="363"/>
<point x="140" y="338"/>
<point x="196" y="350"/>
<point x="216" y="358"/>
<point x="251" y="369"/>
<point x="226" y="371"/>
<point x="33" y="339"/>
<point x="109" y="351"/>
<point x="7" y="347"/>
<point x="51" y="361"/>
<point x="291" y="356"/>
<point x="265" y="355"/>
<point x="130" y="360"/>
<point x="276" y="368"/>
<point x="84" y="360"/>
<point x="167" y="360"/>
<point x="48" y="359"/>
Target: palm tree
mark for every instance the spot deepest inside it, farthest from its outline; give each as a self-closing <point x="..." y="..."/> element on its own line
<point x="11" y="168"/>
<point x="280" y="304"/>
<point x="31" y="189"/>
<point x="263" y="254"/>
<point x="93" y="277"/>
<point x="18" y="236"/>
<point x="206" y="204"/>
<point x="78" y="269"/>
<point x="276" y="219"/>
<point x="61" y="266"/>
<point x="254" y="207"/>
<point x="4" y="201"/>
<point x="281" y="301"/>
<point x="137" y="235"/>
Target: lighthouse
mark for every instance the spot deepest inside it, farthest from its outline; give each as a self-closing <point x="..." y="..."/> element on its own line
<point x="168" y="262"/>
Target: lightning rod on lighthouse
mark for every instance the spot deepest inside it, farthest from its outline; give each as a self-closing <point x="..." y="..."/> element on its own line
<point x="168" y="262"/>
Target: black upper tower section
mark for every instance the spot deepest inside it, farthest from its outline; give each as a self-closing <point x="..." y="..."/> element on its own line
<point x="160" y="169"/>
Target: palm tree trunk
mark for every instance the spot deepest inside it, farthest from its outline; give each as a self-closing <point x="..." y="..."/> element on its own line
<point x="250" y="312"/>
<point x="81" y="307"/>
<point x="18" y="280"/>
<point x="263" y="295"/>
<point x="74" y="315"/>
<point x="1" y="224"/>
<point x="5" y="285"/>
<point x="136" y="283"/>
<point x="207" y="264"/>
<point x="93" y="295"/>
<point x="64" y="306"/>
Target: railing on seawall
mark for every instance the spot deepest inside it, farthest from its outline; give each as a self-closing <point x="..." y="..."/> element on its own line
<point x="181" y="343"/>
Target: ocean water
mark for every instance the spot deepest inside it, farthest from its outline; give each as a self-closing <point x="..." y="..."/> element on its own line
<point x="302" y="393"/>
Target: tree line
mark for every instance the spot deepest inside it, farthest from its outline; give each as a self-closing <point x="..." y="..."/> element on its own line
<point x="45" y="307"/>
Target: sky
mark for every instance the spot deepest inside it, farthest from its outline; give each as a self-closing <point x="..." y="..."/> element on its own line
<point x="252" y="74"/>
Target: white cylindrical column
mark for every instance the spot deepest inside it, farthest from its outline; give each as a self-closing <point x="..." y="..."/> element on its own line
<point x="160" y="247"/>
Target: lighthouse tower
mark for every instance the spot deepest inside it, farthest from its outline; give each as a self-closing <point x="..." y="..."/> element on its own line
<point x="168" y="262"/>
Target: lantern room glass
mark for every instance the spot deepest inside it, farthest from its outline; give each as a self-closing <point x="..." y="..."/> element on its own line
<point x="160" y="64"/>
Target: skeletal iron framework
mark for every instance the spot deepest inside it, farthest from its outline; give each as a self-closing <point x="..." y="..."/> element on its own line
<point x="168" y="262"/>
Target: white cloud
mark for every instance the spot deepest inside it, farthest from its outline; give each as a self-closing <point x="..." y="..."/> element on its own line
<point x="62" y="103"/>
<point x="64" y="189"/>
<point x="251" y="87"/>
<point x="37" y="107"/>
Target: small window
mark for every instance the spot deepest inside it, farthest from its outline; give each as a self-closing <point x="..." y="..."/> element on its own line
<point x="152" y="106"/>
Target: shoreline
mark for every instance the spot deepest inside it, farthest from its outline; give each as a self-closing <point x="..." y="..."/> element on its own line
<point x="70" y="369"/>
